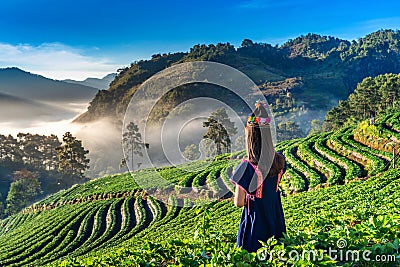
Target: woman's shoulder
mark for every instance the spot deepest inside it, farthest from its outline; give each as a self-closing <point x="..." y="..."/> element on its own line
<point x="243" y="169"/>
<point x="243" y="165"/>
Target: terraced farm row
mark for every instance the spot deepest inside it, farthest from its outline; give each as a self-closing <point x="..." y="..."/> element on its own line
<point x="366" y="214"/>
<point x="115" y="211"/>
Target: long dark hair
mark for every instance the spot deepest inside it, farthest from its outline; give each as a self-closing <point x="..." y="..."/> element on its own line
<point x="260" y="149"/>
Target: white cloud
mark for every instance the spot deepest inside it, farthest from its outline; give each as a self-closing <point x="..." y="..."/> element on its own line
<point x="55" y="60"/>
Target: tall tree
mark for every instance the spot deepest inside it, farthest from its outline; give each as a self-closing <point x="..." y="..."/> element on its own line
<point x="132" y="143"/>
<point x="29" y="144"/>
<point x="220" y="130"/>
<point x="50" y="152"/>
<point x="24" y="190"/>
<point x="72" y="157"/>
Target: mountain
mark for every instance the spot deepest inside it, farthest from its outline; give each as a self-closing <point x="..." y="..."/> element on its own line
<point x="338" y="193"/>
<point x="19" y="83"/>
<point x="328" y="69"/>
<point x="16" y="109"/>
<point x="97" y="83"/>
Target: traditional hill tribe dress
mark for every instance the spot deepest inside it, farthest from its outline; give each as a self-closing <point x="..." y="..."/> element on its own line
<point x="262" y="216"/>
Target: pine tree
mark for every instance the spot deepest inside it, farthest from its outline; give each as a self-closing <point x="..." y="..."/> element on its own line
<point x="220" y="130"/>
<point x="132" y="143"/>
<point x="72" y="160"/>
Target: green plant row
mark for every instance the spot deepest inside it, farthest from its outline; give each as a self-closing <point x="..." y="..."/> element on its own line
<point x="46" y="224"/>
<point x="14" y="221"/>
<point x="352" y="169"/>
<point x="363" y="213"/>
<point x="73" y="240"/>
<point x="97" y="230"/>
<point x="378" y="163"/>
<point x="41" y="244"/>
<point x="374" y="164"/>
<point x="329" y="169"/>
<point x="296" y="183"/>
<point x="58" y="242"/>
<point x="313" y="177"/>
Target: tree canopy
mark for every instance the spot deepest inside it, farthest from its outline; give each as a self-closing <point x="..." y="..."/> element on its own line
<point x="72" y="157"/>
<point x="220" y="130"/>
<point x="24" y="189"/>
<point x="373" y="96"/>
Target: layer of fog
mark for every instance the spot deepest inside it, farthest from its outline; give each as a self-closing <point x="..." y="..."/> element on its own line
<point x="184" y="126"/>
<point x="39" y="118"/>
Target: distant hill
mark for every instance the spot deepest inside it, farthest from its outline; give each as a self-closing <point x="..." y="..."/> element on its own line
<point x="13" y="109"/>
<point x="19" y="83"/>
<point x="328" y="69"/>
<point x="102" y="83"/>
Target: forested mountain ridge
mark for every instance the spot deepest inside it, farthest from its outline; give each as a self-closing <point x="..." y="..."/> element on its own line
<point x="329" y="68"/>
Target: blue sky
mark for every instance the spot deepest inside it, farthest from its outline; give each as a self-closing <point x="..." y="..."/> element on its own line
<point x="76" y="39"/>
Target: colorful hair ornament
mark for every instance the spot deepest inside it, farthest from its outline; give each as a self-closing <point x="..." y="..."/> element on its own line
<point x="252" y="119"/>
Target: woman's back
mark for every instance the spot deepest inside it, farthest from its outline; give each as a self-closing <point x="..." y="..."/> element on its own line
<point x="262" y="217"/>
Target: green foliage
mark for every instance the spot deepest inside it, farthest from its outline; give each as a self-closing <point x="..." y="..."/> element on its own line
<point x="22" y="191"/>
<point x="372" y="97"/>
<point x="132" y="143"/>
<point x="10" y="153"/>
<point x="322" y="63"/>
<point x="39" y="151"/>
<point x="210" y="52"/>
<point x="314" y="46"/>
<point x="220" y="130"/>
<point x="316" y="221"/>
<point x="316" y="127"/>
<point x="288" y="130"/>
<point x="72" y="157"/>
<point x="33" y="150"/>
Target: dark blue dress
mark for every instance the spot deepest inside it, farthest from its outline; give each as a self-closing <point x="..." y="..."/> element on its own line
<point x="263" y="217"/>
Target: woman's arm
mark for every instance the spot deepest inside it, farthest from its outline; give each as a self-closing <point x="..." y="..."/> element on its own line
<point x="240" y="197"/>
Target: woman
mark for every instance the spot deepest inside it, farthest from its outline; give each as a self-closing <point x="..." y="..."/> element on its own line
<point x="256" y="179"/>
